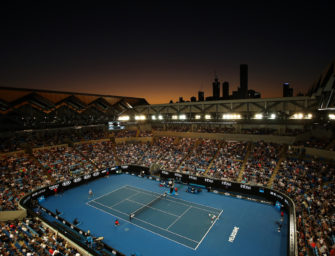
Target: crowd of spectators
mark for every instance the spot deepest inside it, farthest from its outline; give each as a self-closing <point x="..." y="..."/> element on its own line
<point x="293" y="132"/>
<point x="155" y="151"/>
<point x="316" y="143"/>
<point x="11" y="143"/>
<point x="173" y="127"/>
<point x="261" y="163"/>
<point x="101" y="154"/>
<point x="201" y="157"/>
<point x="311" y="184"/>
<point x="62" y="162"/>
<point x="131" y="153"/>
<point x="20" y="174"/>
<point x="175" y="152"/>
<point x="125" y="133"/>
<point x="228" y="163"/>
<point x="263" y="131"/>
<point x="145" y="134"/>
<point x="28" y="237"/>
<point x="20" y="140"/>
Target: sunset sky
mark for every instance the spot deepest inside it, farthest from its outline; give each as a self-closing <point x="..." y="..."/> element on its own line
<point x="164" y="50"/>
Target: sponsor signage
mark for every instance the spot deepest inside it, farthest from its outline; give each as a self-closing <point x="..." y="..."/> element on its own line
<point x="86" y="177"/>
<point x="26" y="199"/>
<point x="277" y="195"/>
<point x="76" y="180"/>
<point x="66" y="183"/>
<point x="226" y="183"/>
<point x="37" y="193"/>
<point x="54" y="187"/>
<point x="233" y="234"/>
<point x="192" y="177"/>
<point x="245" y="187"/>
<point x="209" y="180"/>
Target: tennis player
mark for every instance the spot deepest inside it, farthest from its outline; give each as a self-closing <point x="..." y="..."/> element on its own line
<point x="212" y="217"/>
<point x="90" y="193"/>
<point x="171" y="185"/>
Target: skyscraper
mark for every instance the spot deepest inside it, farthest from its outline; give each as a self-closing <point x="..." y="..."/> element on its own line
<point x="287" y="90"/>
<point x="201" y="96"/>
<point x="216" y="89"/>
<point x="225" y="90"/>
<point x="244" y="81"/>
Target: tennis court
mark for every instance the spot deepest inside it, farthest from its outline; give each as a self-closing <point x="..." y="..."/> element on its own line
<point x="183" y="222"/>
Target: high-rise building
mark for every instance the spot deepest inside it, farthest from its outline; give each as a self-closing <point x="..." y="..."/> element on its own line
<point x="243" y="81"/>
<point x="216" y="89"/>
<point x="193" y="99"/>
<point x="287" y="90"/>
<point x="225" y="90"/>
<point x="201" y="96"/>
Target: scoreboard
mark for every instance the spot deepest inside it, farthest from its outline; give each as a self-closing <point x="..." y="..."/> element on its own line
<point x="115" y="126"/>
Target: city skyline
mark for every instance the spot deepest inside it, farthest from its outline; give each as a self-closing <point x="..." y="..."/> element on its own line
<point x="165" y="50"/>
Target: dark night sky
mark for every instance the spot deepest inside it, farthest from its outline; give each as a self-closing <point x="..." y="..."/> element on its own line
<point x="164" y="50"/>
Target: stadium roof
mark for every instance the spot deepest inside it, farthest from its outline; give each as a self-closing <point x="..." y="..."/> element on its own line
<point x="12" y="97"/>
<point x="324" y="88"/>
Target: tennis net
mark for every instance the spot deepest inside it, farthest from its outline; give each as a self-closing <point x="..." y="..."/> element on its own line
<point x="133" y="214"/>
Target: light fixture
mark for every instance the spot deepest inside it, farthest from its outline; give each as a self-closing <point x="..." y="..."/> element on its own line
<point x="123" y="118"/>
<point x="258" y="116"/>
<point x="182" y="117"/>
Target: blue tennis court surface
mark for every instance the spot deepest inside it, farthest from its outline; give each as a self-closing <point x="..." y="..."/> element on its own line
<point x="181" y="221"/>
<point x="178" y="225"/>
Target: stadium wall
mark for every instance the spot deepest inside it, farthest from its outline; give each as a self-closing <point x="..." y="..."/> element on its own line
<point x="319" y="153"/>
<point x="12" y="215"/>
<point x="133" y="139"/>
<point x="229" y="137"/>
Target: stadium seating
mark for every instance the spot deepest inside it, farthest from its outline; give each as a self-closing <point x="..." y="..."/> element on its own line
<point x="310" y="183"/>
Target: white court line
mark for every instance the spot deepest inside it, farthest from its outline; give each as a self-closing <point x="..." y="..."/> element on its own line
<point x="179" y="217"/>
<point x="142" y="227"/>
<point x="107" y="193"/>
<point x="152" y="224"/>
<point x="152" y="207"/>
<point x="208" y="230"/>
<point x="123" y="199"/>
<point x="177" y="199"/>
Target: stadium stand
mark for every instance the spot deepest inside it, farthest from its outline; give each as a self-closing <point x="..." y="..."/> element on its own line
<point x="310" y="183"/>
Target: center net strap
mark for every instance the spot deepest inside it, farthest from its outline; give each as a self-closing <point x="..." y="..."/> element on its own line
<point x="133" y="214"/>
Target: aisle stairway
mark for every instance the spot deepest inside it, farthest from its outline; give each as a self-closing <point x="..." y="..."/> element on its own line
<point x="45" y="171"/>
<point x="196" y="144"/>
<point x="215" y="156"/>
<point x="240" y="175"/>
<point x="282" y="157"/>
<point x="86" y="157"/>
